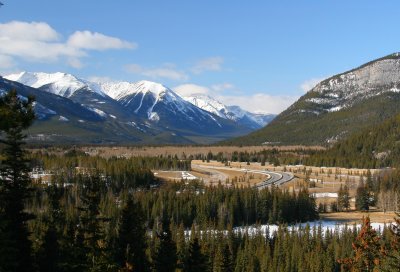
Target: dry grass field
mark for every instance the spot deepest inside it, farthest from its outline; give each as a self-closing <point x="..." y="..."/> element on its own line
<point x="182" y="151"/>
<point x="212" y="177"/>
<point x="356" y="217"/>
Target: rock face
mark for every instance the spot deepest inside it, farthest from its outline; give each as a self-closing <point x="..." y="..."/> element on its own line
<point x="344" y="90"/>
<point x="337" y="106"/>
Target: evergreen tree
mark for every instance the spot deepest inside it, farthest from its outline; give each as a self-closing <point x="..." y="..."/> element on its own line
<point x="362" y="197"/>
<point x="131" y="253"/>
<point x="394" y="255"/>
<point x="98" y="256"/>
<point x="50" y="253"/>
<point x="368" y="251"/>
<point x="16" y="114"/>
<point x="223" y="260"/>
<point x="343" y="198"/>
<point x="196" y="261"/>
<point x="165" y="258"/>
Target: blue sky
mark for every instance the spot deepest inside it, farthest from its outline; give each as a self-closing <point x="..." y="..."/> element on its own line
<point x="261" y="55"/>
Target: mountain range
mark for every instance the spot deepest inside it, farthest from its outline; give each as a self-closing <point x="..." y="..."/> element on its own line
<point x="74" y="110"/>
<point x="336" y="107"/>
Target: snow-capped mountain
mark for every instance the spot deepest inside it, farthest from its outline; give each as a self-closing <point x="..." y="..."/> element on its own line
<point x="234" y="113"/>
<point x="147" y="100"/>
<point x="88" y="94"/>
<point x="149" y="107"/>
<point x="159" y="104"/>
<point x="338" y="106"/>
<point x="57" y="83"/>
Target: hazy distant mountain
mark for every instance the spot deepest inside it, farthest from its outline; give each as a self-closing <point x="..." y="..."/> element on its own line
<point x="337" y="106"/>
<point x="234" y="113"/>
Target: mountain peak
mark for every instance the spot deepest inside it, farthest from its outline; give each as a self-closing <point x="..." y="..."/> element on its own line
<point x="59" y="83"/>
<point x="145" y="86"/>
<point x="118" y="90"/>
<point x="233" y="113"/>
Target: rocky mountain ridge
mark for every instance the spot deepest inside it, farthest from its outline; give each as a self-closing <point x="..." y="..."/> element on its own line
<point x="336" y="107"/>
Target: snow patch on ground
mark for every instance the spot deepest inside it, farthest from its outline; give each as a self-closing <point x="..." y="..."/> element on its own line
<point x="97" y="111"/>
<point x="63" y="119"/>
<point x="271" y="230"/>
<point x="153" y="116"/>
<point x="322" y="195"/>
<point x="337" y="108"/>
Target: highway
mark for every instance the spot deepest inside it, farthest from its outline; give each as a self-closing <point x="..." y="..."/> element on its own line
<point x="272" y="178"/>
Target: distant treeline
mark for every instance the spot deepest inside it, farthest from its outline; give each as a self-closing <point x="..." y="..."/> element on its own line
<point x="119" y="172"/>
<point x="269" y="156"/>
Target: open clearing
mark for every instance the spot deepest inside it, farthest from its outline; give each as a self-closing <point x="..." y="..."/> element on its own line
<point x="356" y="217"/>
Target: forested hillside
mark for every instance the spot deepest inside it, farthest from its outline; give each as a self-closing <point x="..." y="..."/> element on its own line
<point x="374" y="147"/>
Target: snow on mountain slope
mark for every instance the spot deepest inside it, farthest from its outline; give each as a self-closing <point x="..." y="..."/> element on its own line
<point x="57" y="83"/>
<point x="369" y="80"/>
<point x="209" y="104"/>
<point x="234" y="113"/>
<point x="155" y="102"/>
<point x="119" y="90"/>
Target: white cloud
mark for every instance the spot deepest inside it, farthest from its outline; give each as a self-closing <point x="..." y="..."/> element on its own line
<point x="208" y="64"/>
<point x="75" y="62"/>
<point x="97" y="41"/>
<point x="260" y="102"/>
<point x="190" y="89"/>
<point x="38" y="31"/>
<point x="6" y="62"/>
<point x="222" y="87"/>
<point x="165" y="71"/>
<point x="100" y="79"/>
<point x="310" y="83"/>
<point x="39" y="42"/>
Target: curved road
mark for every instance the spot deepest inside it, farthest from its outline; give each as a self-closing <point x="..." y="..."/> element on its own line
<point x="273" y="178"/>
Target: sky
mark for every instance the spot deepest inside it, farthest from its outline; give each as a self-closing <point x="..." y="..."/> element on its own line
<point x="260" y="55"/>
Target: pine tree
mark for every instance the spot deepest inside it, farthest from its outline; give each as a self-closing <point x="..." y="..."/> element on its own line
<point x="362" y="197"/>
<point x="165" y="258"/>
<point x="196" y="261"/>
<point x="223" y="260"/>
<point x="15" y="115"/>
<point x="50" y="253"/>
<point x="394" y="255"/>
<point x="91" y="225"/>
<point x="181" y="247"/>
<point x="343" y="198"/>
<point x="368" y="251"/>
<point x="131" y="253"/>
